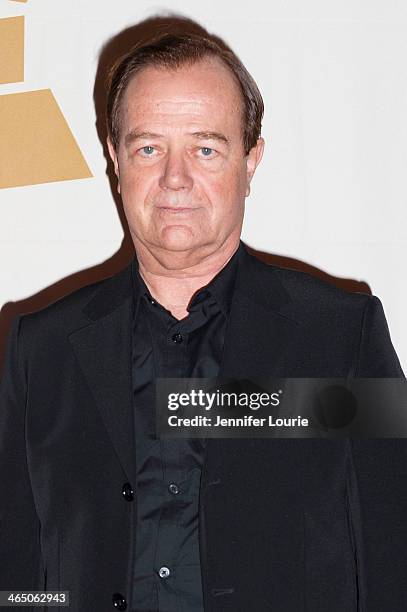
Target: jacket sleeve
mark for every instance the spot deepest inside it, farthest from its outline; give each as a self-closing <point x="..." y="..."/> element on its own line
<point x="20" y="557"/>
<point x="378" y="484"/>
<point x="376" y="357"/>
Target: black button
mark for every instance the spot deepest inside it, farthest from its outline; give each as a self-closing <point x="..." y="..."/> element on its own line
<point x="177" y="338"/>
<point x="119" y="602"/>
<point x="128" y="494"/>
<point x="173" y="488"/>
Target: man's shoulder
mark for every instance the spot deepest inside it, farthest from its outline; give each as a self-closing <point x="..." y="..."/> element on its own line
<point x="70" y="311"/>
<point x="305" y="286"/>
<point x="309" y="292"/>
<point x="326" y="315"/>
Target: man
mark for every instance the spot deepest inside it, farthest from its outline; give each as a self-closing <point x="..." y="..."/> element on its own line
<point x="92" y="502"/>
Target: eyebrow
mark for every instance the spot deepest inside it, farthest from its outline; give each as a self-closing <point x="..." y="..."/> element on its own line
<point x="139" y="135"/>
<point x="210" y="136"/>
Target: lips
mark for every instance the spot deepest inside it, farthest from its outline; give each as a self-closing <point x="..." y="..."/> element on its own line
<point x="176" y="209"/>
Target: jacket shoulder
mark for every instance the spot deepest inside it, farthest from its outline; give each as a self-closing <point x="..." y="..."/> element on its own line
<point x="69" y="311"/>
<point x="350" y="323"/>
<point x="309" y="291"/>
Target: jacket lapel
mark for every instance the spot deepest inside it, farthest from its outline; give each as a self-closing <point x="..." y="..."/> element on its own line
<point x="261" y="325"/>
<point x="103" y="349"/>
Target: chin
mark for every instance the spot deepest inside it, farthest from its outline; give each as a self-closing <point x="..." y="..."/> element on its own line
<point x="179" y="238"/>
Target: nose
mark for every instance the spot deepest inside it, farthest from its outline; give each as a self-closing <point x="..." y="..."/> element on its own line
<point x="176" y="174"/>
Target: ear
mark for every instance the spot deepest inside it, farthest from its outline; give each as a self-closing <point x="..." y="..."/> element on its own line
<point x="113" y="156"/>
<point x="253" y="160"/>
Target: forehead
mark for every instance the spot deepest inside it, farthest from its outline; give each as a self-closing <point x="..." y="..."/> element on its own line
<point x="205" y="91"/>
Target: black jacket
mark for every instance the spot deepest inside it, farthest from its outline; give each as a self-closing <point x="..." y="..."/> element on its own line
<point x="286" y="525"/>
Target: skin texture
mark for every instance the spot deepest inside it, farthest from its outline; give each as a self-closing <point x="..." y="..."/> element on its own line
<point x="183" y="175"/>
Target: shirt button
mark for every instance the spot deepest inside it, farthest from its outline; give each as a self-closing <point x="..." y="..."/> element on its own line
<point x="173" y="488"/>
<point x="119" y="601"/>
<point x="164" y="572"/>
<point x="127" y="492"/>
<point x="177" y="338"/>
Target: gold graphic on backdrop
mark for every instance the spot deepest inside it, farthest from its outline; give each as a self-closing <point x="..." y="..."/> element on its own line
<point x="12" y="50"/>
<point x="36" y="143"/>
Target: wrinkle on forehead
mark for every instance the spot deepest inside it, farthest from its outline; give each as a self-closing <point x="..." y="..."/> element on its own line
<point x="176" y="106"/>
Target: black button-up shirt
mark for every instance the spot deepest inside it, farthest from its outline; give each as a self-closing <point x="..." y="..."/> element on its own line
<point x="167" y="572"/>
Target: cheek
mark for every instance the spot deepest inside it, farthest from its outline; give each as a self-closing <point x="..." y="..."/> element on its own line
<point x="230" y="187"/>
<point x="132" y="178"/>
<point x="136" y="186"/>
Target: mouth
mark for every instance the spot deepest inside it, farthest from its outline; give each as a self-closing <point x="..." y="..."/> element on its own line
<point x="176" y="209"/>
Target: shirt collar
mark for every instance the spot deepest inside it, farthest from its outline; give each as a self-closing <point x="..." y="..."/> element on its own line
<point x="220" y="287"/>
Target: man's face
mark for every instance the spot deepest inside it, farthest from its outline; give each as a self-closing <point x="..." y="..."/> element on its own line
<point x="182" y="170"/>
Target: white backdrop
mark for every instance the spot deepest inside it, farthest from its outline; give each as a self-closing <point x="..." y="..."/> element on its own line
<point x="331" y="190"/>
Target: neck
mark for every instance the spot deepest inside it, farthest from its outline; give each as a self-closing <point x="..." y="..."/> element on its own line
<point x="173" y="287"/>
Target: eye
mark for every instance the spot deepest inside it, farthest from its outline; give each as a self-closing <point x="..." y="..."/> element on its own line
<point x="207" y="151"/>
<point x="147" y="150"/>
